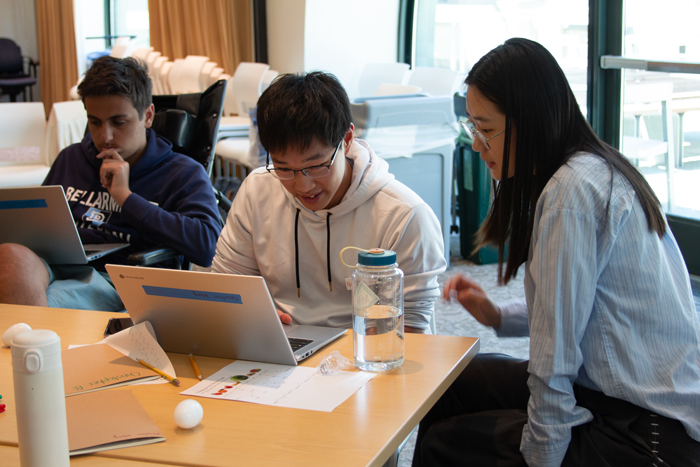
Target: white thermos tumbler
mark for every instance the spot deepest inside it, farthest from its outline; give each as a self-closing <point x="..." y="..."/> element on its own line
<point x="40" y="400"/>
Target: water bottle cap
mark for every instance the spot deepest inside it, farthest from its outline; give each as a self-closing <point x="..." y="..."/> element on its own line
<point x="376" y="257"/>
<point x="36" y="351"/>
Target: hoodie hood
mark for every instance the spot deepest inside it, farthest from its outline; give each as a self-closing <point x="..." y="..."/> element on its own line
<point x="370" y="173"/>
<point x="270" y="234"/>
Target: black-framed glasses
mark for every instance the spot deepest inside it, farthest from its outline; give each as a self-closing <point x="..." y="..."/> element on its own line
<point x="473" y="133"/>
<point x="316" y="171"/>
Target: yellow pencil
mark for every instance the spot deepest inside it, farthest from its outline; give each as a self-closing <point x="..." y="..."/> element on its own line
<point x="151" y="367"/>
<point x="195" y="368"/>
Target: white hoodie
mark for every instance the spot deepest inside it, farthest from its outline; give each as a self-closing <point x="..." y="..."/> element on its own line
<point x="376" y="212"/>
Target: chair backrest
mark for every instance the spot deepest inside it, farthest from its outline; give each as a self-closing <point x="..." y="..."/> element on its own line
<point x="205" y="73"/>
<point x="154" y="73"/>
<point x="268" y="77"/>
<point x="118" y="50"/>
<point x="141" y="53"/>
<point x="214" y="76"/>
<point x="10" y="57"/>
<point x="374" y="74"/>
<point x="66" y="126"/>
<point x="184" y="76"/>
<point x="246" y="85"/>
<point x="388" y="89"/>
<point x="151" y="58"/>
<point x="164" y="76"/>
<point x="22" y="133"/>
<point x="434" y="81"/>
<point x="191" y="121"/>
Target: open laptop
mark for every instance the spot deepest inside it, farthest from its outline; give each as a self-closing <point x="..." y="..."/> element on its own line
<point x="216" y="315"/>
<point x="39" y="218"/>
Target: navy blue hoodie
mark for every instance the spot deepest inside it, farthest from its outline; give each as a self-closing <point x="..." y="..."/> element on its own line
<point x="172" y="202"/>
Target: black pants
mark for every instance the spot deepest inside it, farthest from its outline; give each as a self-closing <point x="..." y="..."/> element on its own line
<point x="480" y="418"/>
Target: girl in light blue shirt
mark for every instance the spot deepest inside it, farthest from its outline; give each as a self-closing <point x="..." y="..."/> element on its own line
<point x="614" y="370"/>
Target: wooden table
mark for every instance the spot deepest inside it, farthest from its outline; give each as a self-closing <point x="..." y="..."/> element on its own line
<point x="365" y="430"/>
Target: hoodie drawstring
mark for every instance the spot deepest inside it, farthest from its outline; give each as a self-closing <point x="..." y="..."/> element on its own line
<point x="296" y="250"/>
<point x="328" y="250"/>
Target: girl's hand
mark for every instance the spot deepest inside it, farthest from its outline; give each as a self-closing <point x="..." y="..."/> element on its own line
<point x="474" y="299"/>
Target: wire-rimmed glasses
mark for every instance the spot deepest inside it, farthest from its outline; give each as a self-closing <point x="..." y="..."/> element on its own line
<point x="316" y="171"/>
<point x="473" y="133"/>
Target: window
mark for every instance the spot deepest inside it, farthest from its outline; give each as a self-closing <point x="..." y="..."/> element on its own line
<point x="456" y="33"/>
<point x="99" y="24"/>
<point x="661" y="110"/>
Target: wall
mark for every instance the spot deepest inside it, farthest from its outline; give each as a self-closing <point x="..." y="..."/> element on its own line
<point x="18" y="22"/>
<point x="285" y="35"/>
<point x="338" y="36"/>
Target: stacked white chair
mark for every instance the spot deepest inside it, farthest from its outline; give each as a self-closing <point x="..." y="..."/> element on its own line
<point x="185" y="74"/>
<point x="23" y="160"/>
<point x="205" y="74"/>
<point x="154" y="73"/>
<point x="151" y="59"/>
<point x="435" y="81"/>
<point x="388" y="89"/>
<point x="268" y="77"/>
<point x="66" y="126"/>
<point x="242" y="95"/>
<point x="215" y="75"/>
<point x="374" y="74"/>
<point x="164" y="77"/>
<point x="141" y="53"/>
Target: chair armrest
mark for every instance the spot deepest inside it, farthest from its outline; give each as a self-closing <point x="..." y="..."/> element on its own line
<point x="31" y="65"/>
<point x="152" y="256"/>
<point x="223" y="202"/>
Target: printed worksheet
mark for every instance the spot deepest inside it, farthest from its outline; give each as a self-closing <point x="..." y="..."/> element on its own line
<point x="280" y="385"/>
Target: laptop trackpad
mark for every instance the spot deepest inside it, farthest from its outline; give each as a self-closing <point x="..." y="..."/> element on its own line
<point x="289" y="327"/>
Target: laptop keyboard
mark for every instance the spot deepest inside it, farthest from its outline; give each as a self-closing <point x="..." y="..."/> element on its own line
<point x="298" y="343"/>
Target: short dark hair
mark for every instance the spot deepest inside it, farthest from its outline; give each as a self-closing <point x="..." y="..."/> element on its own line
<point x="126" y="77"/>
<point x="526" y="83"/>
<point x="298" y="108"/>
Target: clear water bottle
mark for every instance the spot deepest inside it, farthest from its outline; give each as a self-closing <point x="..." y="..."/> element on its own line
<point x="377" y="298"/>
<point x="40" y="400"/>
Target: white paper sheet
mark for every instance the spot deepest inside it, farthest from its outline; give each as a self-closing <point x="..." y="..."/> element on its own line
<point x="139" y="341"/>
<point x="281" y="385"/>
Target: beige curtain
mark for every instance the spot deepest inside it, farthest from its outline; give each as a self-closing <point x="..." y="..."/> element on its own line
<point x="58" y="61"/>
<point x="218" y="29"/>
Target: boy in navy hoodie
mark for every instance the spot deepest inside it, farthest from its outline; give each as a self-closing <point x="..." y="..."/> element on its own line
<point x="123" y="183"/>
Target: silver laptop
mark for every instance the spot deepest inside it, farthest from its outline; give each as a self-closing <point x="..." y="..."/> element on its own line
<point x="216" y="315"/>
<point x="39" y="218"/>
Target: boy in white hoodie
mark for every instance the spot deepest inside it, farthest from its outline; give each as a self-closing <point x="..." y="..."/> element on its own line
<point x="321" y="191"/>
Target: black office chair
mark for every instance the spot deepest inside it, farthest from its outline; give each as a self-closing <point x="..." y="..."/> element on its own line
<point x="13" y="78"/>
<point x="190" y="122"/>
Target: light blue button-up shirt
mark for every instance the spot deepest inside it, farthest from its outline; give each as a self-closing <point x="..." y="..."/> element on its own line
<point x="608" y="307"/>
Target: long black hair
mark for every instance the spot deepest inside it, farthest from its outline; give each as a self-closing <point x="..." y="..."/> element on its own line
<point x="526" y="84"/>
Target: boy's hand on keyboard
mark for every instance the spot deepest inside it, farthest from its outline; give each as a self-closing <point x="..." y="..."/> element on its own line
<point x="284" y="317"/>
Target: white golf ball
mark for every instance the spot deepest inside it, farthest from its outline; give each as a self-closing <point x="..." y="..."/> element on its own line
<point x="188" y="414"/>
<point x="12" y="331"/>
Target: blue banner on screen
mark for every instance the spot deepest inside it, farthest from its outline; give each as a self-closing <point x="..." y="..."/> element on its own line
<point x="192" y="294"/>
<point x="23" y="204"/>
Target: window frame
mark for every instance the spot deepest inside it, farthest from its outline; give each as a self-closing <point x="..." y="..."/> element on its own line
<point x="604" y="94"/>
